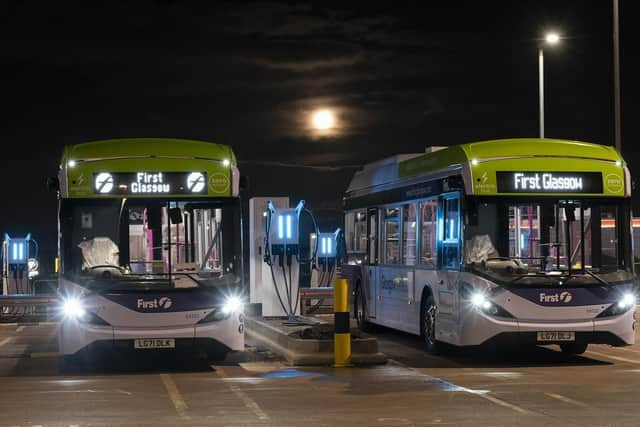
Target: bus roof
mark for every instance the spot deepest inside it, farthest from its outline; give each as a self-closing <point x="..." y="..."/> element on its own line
<point x="482" y="164"/>
<point x="137" y="147"/>
<point x="148" y="167"/>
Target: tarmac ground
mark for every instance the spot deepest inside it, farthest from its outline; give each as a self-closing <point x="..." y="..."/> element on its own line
<point x="536" y="387"/>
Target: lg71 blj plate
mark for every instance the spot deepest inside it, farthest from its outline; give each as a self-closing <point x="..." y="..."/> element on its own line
<point x="556" y="336"/>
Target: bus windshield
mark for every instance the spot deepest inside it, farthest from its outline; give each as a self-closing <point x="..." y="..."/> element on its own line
<point x="120" y="243"/>
<point x="534" y="242"/>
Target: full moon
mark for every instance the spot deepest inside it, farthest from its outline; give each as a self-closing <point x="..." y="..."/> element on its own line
<point x="323" y="120"/>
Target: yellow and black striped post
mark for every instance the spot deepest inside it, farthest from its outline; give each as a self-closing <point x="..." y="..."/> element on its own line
<point x="342" y="330"/>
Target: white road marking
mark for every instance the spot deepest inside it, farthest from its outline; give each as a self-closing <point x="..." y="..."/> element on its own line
<point x="632" y="350"/>
<point x="501" y="375"/>
<point x="480" y="393"/>
<point x="485" y="395"/>
<point x="566" y="399"/>
<point x="608" y="356"/>
<point x="248" y="401"/>
<point x="5" y="341"/>
<point x="20" y="329"/>
<point x="175" y="396"/>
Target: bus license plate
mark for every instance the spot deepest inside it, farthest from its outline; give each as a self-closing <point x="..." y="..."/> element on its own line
<point x="556" y="336"/>
<point x="144" y="343"/>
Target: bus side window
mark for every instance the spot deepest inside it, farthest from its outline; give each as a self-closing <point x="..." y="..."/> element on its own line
<point x="349" y="230"/>
<point x="391" y="236"/>
<point x="450" y="229"/>
<point x="428" y="232"/>
<point x="360" y="232"/>
<point x="409" y="234"/>
<point x="372" y="228"/>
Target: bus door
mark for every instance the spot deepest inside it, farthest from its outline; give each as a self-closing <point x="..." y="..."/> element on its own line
<point x="448" y="261"/>
<point x="370" y="278"/>
<point x="399" y="235"/>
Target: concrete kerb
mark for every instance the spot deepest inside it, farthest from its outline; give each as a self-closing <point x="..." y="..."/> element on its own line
<point x="308" y="352"/>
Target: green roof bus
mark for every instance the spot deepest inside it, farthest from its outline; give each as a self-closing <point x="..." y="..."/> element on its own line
<point x="150" y="247"/>
<point x="515" y="240"/>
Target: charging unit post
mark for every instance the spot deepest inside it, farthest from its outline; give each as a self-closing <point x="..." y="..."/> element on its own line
<point x="19" y="264"/>
<point x="327" y="256"/>
<point x="282" y="256"/>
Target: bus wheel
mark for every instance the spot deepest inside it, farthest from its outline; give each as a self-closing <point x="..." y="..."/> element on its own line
<point x="360" y="307"/>
<point x="428" y="318"/>
<point x="573" y="348"/>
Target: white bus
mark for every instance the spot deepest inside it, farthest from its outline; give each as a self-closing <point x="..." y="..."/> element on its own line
<point x="150" y="246"/>
<point x="521" y="240"/>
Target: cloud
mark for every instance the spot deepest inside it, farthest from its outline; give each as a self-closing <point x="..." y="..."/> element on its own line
<point x="306" y="65"/>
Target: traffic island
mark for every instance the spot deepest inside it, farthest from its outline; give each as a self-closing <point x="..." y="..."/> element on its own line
<point x="310" y="344"/>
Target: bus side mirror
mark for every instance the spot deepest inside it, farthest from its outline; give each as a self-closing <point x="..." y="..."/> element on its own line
<point x="244" y="183"/>
<point x="175" y="215"/>
<point x="53" y="184"/>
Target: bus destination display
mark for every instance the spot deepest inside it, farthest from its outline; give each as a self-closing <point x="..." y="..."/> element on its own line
<point x="549" y="182"/>
<point x="142" y="183"/>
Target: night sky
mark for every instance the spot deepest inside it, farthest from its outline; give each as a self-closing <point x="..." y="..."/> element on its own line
<point x="248" y="74"/>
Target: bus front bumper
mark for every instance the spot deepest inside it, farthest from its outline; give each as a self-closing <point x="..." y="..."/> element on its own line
<point x="75" y="336"/>
<point x="479" y="328"/>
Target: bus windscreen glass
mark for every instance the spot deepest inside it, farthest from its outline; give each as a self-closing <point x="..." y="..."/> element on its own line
<point x="150" y="243"/>
<point x="538" y="240"/>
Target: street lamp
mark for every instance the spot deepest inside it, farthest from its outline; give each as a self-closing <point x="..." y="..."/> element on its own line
<point x="550" y="39"/>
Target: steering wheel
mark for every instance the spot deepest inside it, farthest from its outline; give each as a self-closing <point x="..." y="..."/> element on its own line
<point x="107" y="274"/>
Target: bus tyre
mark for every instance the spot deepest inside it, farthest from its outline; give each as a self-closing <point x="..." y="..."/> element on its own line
<point x="573" y="348"/>
<point x="360" y="310"/>
<point x="428" y="325"/>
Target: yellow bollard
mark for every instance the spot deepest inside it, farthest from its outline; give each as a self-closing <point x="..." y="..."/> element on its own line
<point x="56" y="265"/>
<point x="342" y="330"/>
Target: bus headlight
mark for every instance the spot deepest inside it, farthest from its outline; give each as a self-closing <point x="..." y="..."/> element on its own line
<point x="626" y="302"/>
<point x="232" y="305"/>
<point x="73" y="308"/>
<point x="480" y="301"/>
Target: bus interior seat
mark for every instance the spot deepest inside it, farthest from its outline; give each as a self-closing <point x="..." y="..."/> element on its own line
<point x="99" y="251"/>
<point x="479" y="248"/>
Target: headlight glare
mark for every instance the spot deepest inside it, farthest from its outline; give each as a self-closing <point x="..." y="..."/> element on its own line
<point x="625" y="302"/>
<point x="480" y="301"/>
<point x="73" y="308"/>
<point x="628" y="300"/>
<point x="483" y="304"/>
<point x="232" y="305"/>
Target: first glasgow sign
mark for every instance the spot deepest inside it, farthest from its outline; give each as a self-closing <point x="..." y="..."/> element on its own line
<point x="549" y="182"/>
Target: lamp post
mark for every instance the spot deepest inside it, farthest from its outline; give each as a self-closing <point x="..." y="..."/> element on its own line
<point x="550" y="39"/>
<point x="616" y="75"/>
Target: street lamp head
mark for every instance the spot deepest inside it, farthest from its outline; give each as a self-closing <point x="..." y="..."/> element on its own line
<point x="552" y="38"/>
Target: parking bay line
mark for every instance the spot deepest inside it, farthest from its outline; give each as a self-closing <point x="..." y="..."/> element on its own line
<point x="608" y="356"/>
<point x="175" y="396"/>
<point x="248" y="401"/>
<point x="566" y="399"/>
<point x="5" y="341"/>
<point x="480" y="393"/>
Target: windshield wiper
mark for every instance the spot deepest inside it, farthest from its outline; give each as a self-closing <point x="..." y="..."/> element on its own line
<point x="523" y="276"/>
<point x="598" y="278"/>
